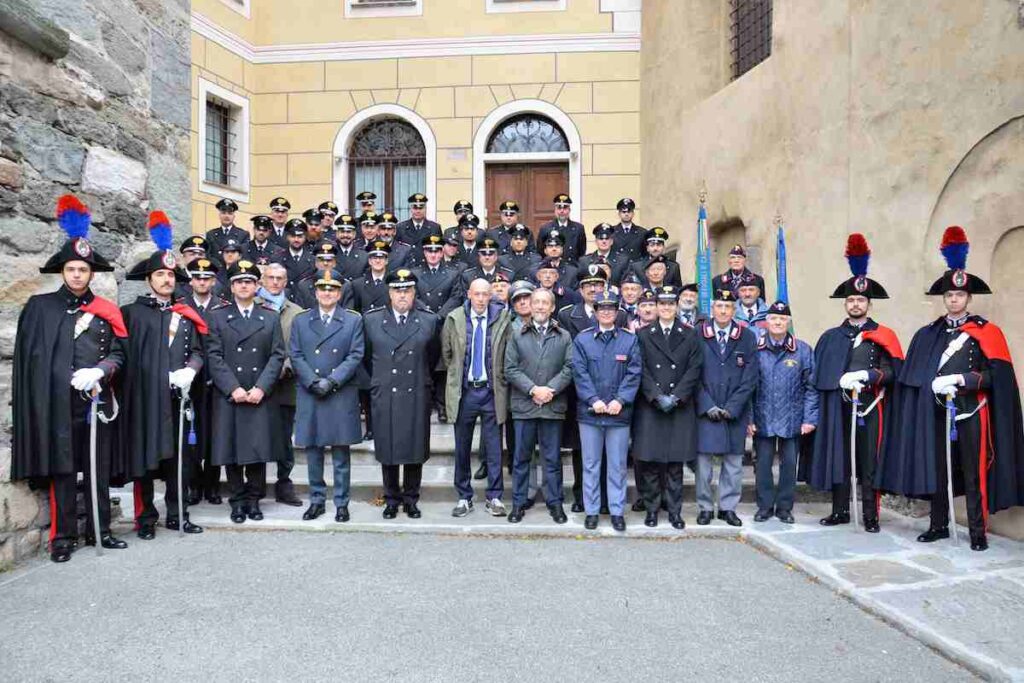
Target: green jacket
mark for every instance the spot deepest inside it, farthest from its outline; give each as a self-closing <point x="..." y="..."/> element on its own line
<point x="453" y="355"/>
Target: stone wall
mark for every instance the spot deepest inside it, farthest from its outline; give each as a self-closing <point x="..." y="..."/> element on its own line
<point x="109" y="122"/>
<point x="895" y="119"/>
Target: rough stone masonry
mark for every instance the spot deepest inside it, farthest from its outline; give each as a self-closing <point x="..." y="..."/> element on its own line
<point x="94" y="100"/>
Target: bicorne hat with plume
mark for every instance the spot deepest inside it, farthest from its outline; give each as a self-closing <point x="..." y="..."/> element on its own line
<point x="954" y="250"/>
<point x="75" y="220"/>
<point x="858" y="255"/>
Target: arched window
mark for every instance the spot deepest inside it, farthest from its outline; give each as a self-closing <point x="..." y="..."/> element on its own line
<point x="388" y="157"/>
<point x="527" y="133"/>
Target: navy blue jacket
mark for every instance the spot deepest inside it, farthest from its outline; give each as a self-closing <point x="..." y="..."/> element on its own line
<point x="785" y="397"/>
<point x="728" y="382"/>
<point x="606" y="369"/>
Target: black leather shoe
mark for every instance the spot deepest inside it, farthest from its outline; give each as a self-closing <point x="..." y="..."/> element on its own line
<point x="577" y="506"/>
<point x="390" y="511"/>
<point x="651" y="519"/>
<point x="978" y="541"/>
<point x="368" y="435"/>
<point x="108" y="541"/>
<point x="341" y="514"/>
<point x="481" y="472"/>
<point x="590" y="522"/>
<point x="676" y="521"/>
<point x="190" y="528"/>
<point x="147" y="532"/>
<point x="61" y="553"/>
<point x="835" y="519"/>
<point x="730" y="517"/>
<point x="763" y="516"/>
<point x="193" y="499"/>
<point x="530" y="502"/>
<point x="871" y="525"/>
<point x="313" y="511"/>
<point x="412" y="511"/>
<point x="558" y="514"/>
<point x="237" y="514"/>
<point x="605" y="510"/>
<point x="442" y="417"/>
<point x="639" y="505"/>
<point x="933" y="535"/>
<point x="704" y="517"/>
<point x="288" y="497"/>
<point x="785" y="516"/>
<point x="254" y="512"/>
<point x="516" y="515"/>
<point x="214" y="499"/>
<point x="618" y="522"/>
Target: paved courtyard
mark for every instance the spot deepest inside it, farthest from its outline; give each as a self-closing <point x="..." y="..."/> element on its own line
<point x="282" y="605"/>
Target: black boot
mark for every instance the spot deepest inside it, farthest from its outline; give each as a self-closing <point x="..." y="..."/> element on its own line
<point x="835" y="519"/>
<point x="933" y="534"/>
<point x="978" y="540"/>
<point x="60" y="551"/>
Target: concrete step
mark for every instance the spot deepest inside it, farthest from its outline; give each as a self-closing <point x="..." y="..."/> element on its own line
<point x="438" y="483"/>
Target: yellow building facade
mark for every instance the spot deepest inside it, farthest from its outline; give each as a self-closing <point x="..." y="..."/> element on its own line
<point x="485" y="99"/>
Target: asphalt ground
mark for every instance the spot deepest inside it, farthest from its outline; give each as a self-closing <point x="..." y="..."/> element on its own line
<point x="276" y="606"/>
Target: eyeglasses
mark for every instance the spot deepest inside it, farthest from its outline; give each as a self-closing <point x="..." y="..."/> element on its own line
<point x="509" y="214"/>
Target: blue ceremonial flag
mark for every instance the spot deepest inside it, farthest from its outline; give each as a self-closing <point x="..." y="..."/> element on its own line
<point x="780" y="266"/>
<point x="703" y="261"/>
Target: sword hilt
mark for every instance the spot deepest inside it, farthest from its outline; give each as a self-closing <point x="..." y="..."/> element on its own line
<point x="951" y="407"/>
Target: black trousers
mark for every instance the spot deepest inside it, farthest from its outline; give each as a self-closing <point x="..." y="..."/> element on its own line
<point x="867" y="457"/>
<point x="246" y="483"/>
<point x="965" y="459"/>
<point x="284" y="431"/>
<point x="64" y="487"/>
<point x="146" y="513"/>
<point x="408" y="491"/>
<point x="660" y="482"/>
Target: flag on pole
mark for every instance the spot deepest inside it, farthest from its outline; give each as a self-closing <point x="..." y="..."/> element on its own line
<point x="780" y="266"/>
<point x="703" y="267"/>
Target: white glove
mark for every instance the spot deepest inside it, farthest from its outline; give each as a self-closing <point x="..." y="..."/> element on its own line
<point x="853" y="381"/>
<point x="86" y="379"/>
<point x="182" y="379"/>
<point x="946" y="384"/>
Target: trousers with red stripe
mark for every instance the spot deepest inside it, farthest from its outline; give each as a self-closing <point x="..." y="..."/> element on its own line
<point x="64" y="487"/>
<point x="867" y="457"/>
<point x="965" y="457"/>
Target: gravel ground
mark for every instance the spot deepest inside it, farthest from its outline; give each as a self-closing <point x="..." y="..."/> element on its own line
<point x="364" y="606"/>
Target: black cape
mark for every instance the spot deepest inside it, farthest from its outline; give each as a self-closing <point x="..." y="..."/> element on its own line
<point x="823" y="462"/>
<point x="908" y="464"/>
<point x="42" y="393"/>
<point x="149" y="419"/>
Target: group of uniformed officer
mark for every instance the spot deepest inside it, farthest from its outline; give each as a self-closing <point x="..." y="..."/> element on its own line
<point x="285" y="337"/>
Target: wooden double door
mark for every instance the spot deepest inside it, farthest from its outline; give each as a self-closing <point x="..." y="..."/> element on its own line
<point x="531" y="185"/>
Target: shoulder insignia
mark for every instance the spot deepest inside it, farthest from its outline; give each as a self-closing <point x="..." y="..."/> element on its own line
<point x="566" y="307"/>
<point x="352" y="310"/>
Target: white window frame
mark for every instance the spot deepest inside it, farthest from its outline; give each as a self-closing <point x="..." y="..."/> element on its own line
<point x="360" y="119"/>
<point x="481" y="157"/>
<point x="240" y="191"/>
<point x="243" y="7"/>
<point x="354" y="9"/>
<point x="509" y="6"/>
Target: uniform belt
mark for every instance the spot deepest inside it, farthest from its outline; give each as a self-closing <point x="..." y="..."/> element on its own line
<point x="476" y="385"/>
<point x="964" y="416"/>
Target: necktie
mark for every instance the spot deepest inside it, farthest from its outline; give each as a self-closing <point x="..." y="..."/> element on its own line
<point x="245" y="315"/>
<point x="401" y="319"/>
<point x="666" y="331"/>
<point x="721" y="341"/>
<point x="477" y="362"/>
<point x="376" y="282"/>
<point x="750" y="313"/>
<point x="325" y="319"/>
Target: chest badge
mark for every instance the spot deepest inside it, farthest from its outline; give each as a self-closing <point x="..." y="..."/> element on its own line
<point x="740" y="360"/>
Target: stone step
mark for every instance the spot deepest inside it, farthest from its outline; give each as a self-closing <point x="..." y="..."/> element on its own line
<point x="438" y="483"/>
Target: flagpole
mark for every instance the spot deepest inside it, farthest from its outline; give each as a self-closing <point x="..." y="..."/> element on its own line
<point x="703" y="265"/>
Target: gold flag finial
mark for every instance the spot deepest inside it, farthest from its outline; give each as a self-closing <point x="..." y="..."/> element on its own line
<point x="702" y="194"/>
<point x="777" y="220"/>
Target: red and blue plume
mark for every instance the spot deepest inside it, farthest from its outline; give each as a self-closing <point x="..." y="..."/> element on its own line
<point x="954" y="247"/>
<point x="858" y="253"/>
<point x="73" y="216"/>
<point x="160" y="230"/>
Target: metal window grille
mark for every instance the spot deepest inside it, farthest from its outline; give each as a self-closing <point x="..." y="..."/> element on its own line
<point x="221" y="144"/>
<point x="751" y="34"/>
<point x="528" y="133"/>
<point x="388" y="158"/>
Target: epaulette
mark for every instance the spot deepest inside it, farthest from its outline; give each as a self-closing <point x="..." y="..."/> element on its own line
<point x="352" y="310"/>
<point x="592" y="327"/>
<point x="375" y="309"/>
<point x="265" y="307"/>
<point x="566" y="307"/>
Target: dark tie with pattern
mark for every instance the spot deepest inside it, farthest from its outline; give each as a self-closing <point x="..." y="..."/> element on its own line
<point x="721" y="342"/>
